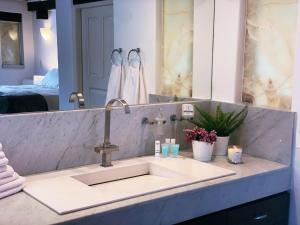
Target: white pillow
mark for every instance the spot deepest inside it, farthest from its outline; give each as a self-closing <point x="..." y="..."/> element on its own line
<point x="51" y="79"/>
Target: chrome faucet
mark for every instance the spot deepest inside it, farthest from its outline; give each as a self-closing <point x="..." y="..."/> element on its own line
<point x="107" y="148"/>
<point x="77" y="96"/>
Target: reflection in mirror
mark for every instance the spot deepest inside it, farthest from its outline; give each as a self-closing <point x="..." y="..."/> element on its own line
<point x="178" y="27"/>
<point x="29" y="74"/>
<point x="144" y="51"/>
<point x="10" y="43"/>
<point x="157" y="60"/>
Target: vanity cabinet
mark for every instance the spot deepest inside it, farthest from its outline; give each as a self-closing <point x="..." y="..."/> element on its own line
<point x="272" y="210"/>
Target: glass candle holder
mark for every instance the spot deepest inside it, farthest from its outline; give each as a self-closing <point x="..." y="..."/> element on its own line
<point x="235" y="154"/>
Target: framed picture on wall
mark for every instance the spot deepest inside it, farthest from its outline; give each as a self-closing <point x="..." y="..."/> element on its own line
<point x="11" y="44"/>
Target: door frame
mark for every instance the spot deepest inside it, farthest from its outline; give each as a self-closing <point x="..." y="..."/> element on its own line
<point x="89" y="79"/>
<point x="94" y="4"/>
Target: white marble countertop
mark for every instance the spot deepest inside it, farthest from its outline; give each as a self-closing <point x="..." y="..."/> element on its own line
<point x="254" y="174"/>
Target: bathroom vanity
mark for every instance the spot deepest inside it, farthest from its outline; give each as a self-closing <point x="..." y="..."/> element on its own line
<point x="255" y="179"/>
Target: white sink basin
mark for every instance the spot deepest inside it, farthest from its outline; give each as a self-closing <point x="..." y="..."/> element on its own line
<point x="91" y="186"/>
<point x="142" y="170"/>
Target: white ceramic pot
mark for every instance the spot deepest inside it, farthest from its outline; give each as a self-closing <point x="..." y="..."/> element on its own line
<point x="202" y="151"/>
<point x="221" y="146"/>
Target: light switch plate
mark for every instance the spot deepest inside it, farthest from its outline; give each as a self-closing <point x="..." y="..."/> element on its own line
<point x="187" y="111"/>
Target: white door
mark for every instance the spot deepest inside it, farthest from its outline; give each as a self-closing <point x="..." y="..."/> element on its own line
<point x="97" y="45"/>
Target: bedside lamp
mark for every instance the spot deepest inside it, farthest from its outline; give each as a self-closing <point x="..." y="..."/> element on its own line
<point x="45" y="32"/>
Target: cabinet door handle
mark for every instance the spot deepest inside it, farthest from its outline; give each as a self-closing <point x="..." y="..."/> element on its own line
<point x="261" y="217"/>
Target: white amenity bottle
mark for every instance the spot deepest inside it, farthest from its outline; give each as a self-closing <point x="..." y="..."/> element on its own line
<point x="157" y="148"/>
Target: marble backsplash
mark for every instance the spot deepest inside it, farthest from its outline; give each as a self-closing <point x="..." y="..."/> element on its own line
<point x="48" y="141"/>
<point x="266" y="133"/>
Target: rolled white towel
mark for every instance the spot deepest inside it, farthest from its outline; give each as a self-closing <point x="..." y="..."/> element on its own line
<point x="11" y="191"/>
<point x="6" y="180"/>
<point x="11" y="185"/>
<point x="3" y="169"/>
<point x="2" y="155"/>
<point x="3" y="161"/>
<point x="8" y="173"/>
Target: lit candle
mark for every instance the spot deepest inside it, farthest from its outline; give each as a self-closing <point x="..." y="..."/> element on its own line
<point x="235" y="154"/>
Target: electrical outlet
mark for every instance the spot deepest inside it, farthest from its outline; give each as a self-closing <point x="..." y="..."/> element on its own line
<point x="187" y="111"/>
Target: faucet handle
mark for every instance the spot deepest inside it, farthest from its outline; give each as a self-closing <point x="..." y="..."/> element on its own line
<point x="107" y="149"/>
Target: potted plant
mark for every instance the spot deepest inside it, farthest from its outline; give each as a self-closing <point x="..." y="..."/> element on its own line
<point x="223" y="123"/>
<point x="202" y="142"/>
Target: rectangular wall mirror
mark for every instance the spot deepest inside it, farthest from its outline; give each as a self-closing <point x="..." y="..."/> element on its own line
<point x="144" y="51"/>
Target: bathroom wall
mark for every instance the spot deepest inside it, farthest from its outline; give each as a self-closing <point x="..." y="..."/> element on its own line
<point x="16" y="76"/>
<point x="66" y="52"/>
<point x="45" y="50"/>
<point x="228" y="50"/>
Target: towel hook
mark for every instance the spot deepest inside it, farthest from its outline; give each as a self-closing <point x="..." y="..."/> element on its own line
<point x="119" y="51"/>
<point x="137" y="52"/>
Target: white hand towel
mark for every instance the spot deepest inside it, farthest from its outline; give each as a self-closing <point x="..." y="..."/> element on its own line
<point x="143" y="93"/>
<point x="2" y="155"/>
<point x="8" y="173"/>
<point x="135" y="88"/>
<point x="3" y="169"/>
<point x="6" y="180"/>
<point x="11" y="191"/>
<point x="115" y="83"/>
<point x="11" y="185"/>
<point x="131" y="85"/>
<point x="3" y="161"/>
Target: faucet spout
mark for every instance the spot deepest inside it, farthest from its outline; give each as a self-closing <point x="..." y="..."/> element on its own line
<point x="107" y="147"/>
<point x="123" y="103"/>
<point x="108" y="110"/>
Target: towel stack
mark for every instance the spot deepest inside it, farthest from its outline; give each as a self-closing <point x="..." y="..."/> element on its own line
<point x="10" y="181"/>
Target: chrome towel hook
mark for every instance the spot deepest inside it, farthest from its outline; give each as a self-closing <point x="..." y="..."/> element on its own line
<point x="137" y="51"/>
<point x="119" y="51"/>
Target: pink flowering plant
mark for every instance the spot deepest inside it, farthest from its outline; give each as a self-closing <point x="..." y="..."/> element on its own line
<point x="200" y="134"/>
